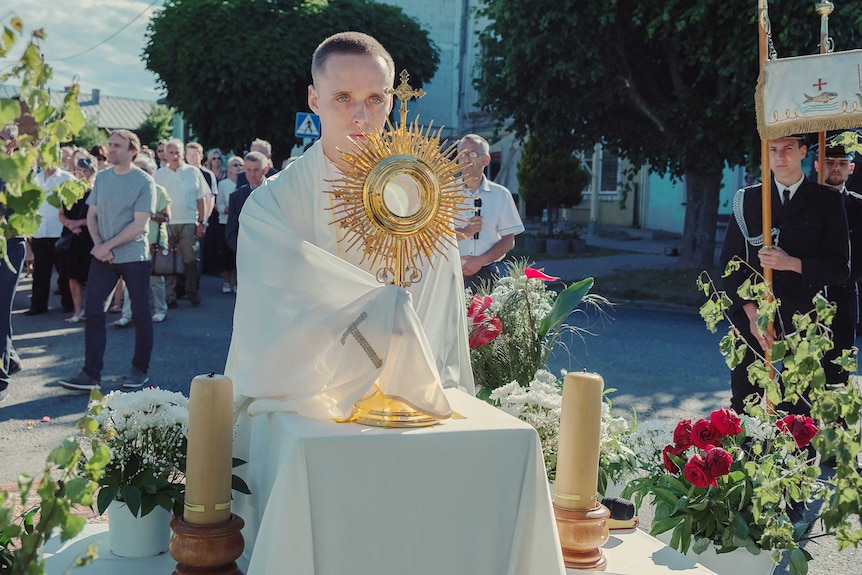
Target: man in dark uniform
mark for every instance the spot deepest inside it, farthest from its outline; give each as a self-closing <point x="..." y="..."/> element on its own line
<point x="838" y="167"/>
<point x="810" y="251"/>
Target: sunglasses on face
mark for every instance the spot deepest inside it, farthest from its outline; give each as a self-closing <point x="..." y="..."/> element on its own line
<point x="85" y="163"/>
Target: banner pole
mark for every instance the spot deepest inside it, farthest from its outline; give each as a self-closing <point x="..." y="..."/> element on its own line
<point x="766" y="184"/>
<point x="824" y="9"/>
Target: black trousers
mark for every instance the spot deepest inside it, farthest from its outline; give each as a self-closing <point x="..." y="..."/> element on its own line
<point x="8" y="284"/>
<point x="44" y="262"/>
<point x="741" y="387"/>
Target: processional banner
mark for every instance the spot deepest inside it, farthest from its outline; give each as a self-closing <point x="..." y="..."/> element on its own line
<point x="809" y="94"/>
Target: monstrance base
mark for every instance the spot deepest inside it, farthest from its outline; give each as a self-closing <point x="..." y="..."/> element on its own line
<point x="380" y="410"/>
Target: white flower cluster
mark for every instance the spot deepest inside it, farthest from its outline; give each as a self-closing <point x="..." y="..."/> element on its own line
<point x="150" y="424"/>
<point x="537" y="299"/>
<point x="647" y="442"/>
<point x="540" y="404"/>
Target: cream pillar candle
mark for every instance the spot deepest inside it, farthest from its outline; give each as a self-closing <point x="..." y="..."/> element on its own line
<point x="210" y="450"/>
<point x="580" y="435"/>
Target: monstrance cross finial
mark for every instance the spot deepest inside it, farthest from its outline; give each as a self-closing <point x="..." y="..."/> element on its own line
<point x="404" y="93"/>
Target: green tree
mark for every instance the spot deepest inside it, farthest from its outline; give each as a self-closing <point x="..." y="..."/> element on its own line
<point x="550" y="176"/>
<point x="42" y="126"/>
<point x="240" y="69"/>
<point x="156" y="126"/>
<point x="668" y="82"/>
<point x="90" y="135"/>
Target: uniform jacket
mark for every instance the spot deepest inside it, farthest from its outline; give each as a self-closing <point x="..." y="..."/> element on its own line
<point x="812" y="227"/>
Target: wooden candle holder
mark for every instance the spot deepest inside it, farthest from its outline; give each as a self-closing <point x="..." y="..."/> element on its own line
<point x="582" y="532"/>
<point x="207" y="549"/>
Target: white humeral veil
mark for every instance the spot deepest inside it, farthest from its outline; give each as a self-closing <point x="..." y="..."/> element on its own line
<point x="293" y="348"/>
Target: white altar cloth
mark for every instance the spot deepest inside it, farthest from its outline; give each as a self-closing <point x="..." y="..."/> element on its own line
<point x="468" y="496"/>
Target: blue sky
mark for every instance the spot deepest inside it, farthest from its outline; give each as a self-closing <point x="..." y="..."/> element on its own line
<point x="75" y="26"/>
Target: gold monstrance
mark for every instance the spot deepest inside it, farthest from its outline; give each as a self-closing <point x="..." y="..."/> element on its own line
<point x="399" y="196"/>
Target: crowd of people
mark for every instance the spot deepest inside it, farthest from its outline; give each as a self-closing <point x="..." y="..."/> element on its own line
<point x="188" y="212"/>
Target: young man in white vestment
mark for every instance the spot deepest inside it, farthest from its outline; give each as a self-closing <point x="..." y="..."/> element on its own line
<point x="314" y="330"/>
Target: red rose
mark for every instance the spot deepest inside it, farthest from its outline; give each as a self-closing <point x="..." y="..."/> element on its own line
<point x="718" y="462"/>
<point x="668" y="462"/>
<point x="682" y="434"/>
<point x="725" y="422"/>
<point x="703" y="435"/>
<point x="697" y="473"/>
<point x="801" y="427"/>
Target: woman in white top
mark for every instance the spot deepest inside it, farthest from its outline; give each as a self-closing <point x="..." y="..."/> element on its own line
<point x="226" y="187"/>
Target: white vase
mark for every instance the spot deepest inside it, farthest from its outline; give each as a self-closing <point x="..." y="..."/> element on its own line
<point x="131" y="536"/>
<point x="737" y="562"/>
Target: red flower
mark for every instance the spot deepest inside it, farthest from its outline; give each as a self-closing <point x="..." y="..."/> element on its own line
<point x="703" y="435"/>
<point x="725" y="422"/>
<point x="532" y="273"/>
<point x="718" y="462"/>
<point x="697" y="473"/>
<point x="484" y="331"/>
<point x="668" y="462"/>
<point x="682" y="434"/>
<point x="801" y="427"/>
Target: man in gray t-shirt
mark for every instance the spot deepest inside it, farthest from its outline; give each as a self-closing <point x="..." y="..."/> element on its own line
<point x="121" y="204"/>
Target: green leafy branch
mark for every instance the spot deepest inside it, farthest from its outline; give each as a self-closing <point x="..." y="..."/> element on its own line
<point x="796" y="358"/>
<point x="62" y="487"/>
<point x="43" y="127"/>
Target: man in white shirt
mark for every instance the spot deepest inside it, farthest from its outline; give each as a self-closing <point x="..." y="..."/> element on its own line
<point x="42" y="244"/>
<point x="188" y="191"/>
<point x="492" y="218"/>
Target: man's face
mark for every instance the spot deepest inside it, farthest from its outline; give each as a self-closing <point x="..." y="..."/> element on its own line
<point x="160" y="152"/>
<point x="118" y="150"/>
<point x="473" y="161"/>
<point x="174" y="155"/>
<point x="254" y="172"/>
<point x="785" y="159"/>
<point x="350" y="97"/>
<point x="837" y="172"/>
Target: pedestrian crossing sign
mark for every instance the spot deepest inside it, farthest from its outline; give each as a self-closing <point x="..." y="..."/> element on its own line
<point x="307" y="125"/>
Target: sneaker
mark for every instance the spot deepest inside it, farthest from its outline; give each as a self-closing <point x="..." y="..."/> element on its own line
<point x="195" y="301"/>
<point x="136" y="379"/>
<point x="81" y="382"/>
<point x="225" y="288"/>
<point x="122" y="322"/>
<point x="159" y="317"/>
<point x="172" y="304"/>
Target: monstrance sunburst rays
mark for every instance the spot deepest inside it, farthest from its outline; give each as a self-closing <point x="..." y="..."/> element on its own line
<point x="399" y="196"/>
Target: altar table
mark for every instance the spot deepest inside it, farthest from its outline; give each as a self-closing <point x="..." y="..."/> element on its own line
<point x="468" y="496"/>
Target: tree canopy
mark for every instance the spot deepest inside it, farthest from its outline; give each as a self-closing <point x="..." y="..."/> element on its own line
<point x="668" y="82"/>
<point x="240" y="69"/>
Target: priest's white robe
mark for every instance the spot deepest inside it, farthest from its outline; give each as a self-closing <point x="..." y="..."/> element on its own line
<point x="314" y="329"/>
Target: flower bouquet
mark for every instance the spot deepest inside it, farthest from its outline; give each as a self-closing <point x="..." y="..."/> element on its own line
<point x="792" y="373"/>
<point x="146" y="434"/>
<point x="515" y="323"/>
<point x="539" y="404"/>
<point x="731" y="480"/>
